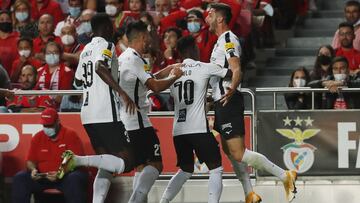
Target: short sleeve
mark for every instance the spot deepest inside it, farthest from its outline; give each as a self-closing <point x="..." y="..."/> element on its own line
<point x="216" y="70"/>
<point x="231" y="46"/>
<point x="141" y="71"/>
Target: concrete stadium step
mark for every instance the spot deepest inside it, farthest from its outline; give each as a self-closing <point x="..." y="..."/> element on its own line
<point x="296" y="51"/>
<point x="328" y="14"/>
<point x="331" y="4"/>
<point x="308" y="42"/>
<point x="314" y="32"/>
<point x="269" y="81"/>
<point x="290" y="61"/>
<point x="323" y="23"/>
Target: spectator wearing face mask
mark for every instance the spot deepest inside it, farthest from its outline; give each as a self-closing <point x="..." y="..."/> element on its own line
<point x="339" y="77"/>
<point x="46" y="34"/>
<point x="299" y="78"/>
<point x="50" y="7"/>
<point x="75" y="8"/>
<point x="72" y="48"/>
<point x="54" y="75"/>
<point x="346" y="37"/>
<point x="44" y="159"/>
<point x="8" y="39"/>
<point x="322" y="63"/>
<point x="84" y="30"/>
<point x="23" y="22"/>
<point x="25" y="50"/>
<point x="114" y="8"/>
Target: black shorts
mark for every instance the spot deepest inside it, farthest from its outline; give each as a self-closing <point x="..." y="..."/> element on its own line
<point x="110" y="136"/>
<point x="145" y="146"/>
<point x="205" y="146"/>
<point x="229" y="119"/>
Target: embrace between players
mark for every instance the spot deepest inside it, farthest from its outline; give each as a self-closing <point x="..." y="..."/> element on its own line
<point x="121" y="132"/>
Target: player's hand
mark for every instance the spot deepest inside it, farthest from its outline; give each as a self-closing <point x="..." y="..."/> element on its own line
<point x="51" y="176"/>
<point x="33" y="174"/>
<point x="227" y="96"/>
<point x="176" y="72"/>
<point x="129" y="104"/>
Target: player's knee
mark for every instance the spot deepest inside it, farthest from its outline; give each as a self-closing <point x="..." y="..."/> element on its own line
<point x="187" y="168"/>
<point x="157" y="165"/>
<point x="237" y="155"/>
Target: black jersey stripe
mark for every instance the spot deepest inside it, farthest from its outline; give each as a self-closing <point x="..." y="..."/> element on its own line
<point x="136" y="98"/>
<point x="140" y="57"/>
<point x="109" y="48"/>
<point x="113" y="108"/>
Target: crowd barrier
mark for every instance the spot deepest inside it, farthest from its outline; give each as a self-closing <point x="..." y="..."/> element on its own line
<point x="314" y="142"/>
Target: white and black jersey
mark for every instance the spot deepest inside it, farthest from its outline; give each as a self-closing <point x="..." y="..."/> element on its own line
<point x="133" y="76"/>
<point x="100" y="103"/>
<point x="189" y="93"/>
<point x="227" y="46"/>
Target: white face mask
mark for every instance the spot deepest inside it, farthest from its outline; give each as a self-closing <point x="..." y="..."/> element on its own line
<point x="52" y="59"/>
<point x="50" y="132"/>
<point x="299" y="82"/>
<point x="25" y="53"/>
<point x="339" y="77"/>
<point x="67" y="39"/>
<point x="21" y="16"/>
<point x="85" y="27"/>
<point x="111" y="10"/>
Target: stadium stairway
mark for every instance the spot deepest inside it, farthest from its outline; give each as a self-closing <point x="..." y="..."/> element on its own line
<point x="297" y="49"/>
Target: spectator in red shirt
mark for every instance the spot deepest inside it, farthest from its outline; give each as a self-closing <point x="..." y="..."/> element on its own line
<point x="23" y="22"/>
<point x="28" y="103"/>
<point x="51" y="7"/>
<point x="171" y="36"/>
<point x="25" y="49"/>
<point x="346" y="37"/>
<point x="352" y="15"/>
<point x="54" y="75"/>
<point x="43" y="160"/>
<point x="162" y="9"/>
<point x="133" y="14"/>
<point x="46" y="34"/>
<point x="72" y="48"/>
<point x="8" y="39"/>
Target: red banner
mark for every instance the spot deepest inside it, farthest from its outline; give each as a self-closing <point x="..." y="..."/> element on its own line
<point x="16" y="131"/>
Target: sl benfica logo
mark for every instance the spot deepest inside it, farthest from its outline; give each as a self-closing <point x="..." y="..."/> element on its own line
<point x="298" y="155"/>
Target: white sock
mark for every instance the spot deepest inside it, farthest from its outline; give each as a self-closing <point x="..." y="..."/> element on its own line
<point x="240" y="169"/>
<point x="136" y="179"/>
<point x="174" y="186"/>
<point x="145" y="181"/>
<point x="105" y="161"/>
<point x="260" y="162"/>
<point x="101" y="185"/>
<point x="215" y="185"/>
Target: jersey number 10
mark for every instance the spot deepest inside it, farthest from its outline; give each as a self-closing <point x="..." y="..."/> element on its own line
<point x="188" y="91"/>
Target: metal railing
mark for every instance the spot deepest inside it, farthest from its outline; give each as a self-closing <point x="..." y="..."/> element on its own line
<point x="275" y="91"/>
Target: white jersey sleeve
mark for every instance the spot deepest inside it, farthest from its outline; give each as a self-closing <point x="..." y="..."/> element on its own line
<point x="215" y="70"/>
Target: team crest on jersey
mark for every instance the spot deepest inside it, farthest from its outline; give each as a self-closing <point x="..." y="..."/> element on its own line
<point x="298" y="155"/>
<point x="107" y="53"/>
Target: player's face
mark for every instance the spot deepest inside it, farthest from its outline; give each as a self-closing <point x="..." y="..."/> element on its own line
<point x="211" y="20"/>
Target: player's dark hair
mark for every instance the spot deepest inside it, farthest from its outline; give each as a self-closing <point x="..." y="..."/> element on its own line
<point x="101" y="25"/>
<point x="134" y="29"/>
<point x="224" y="10"/>
<point x="187" y="48"/>
<point x="346" y="24"/>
